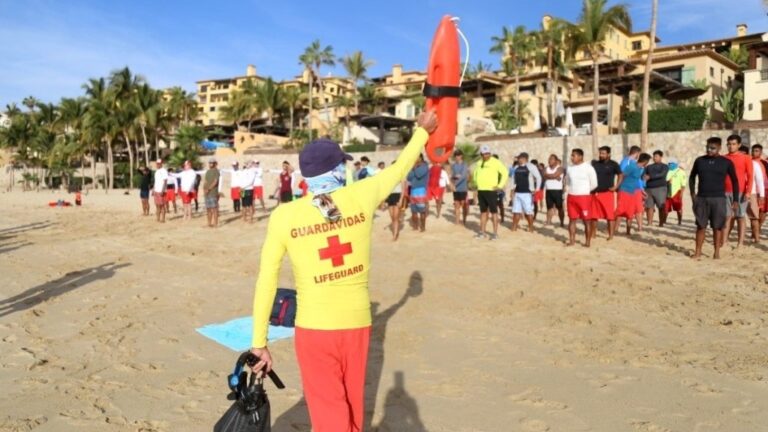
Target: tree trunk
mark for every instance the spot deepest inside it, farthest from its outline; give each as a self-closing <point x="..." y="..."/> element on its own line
<point x="93" y="168"/>
<point x="357" y="100"/>
<point x="109" y="180"/>
<point x="130" y="160"/>
<point x="309" y="122"/>
<point x="290" y="126"/>
<point x="647" y="78"/>
<point x="517" y="100"/>
<point x="550" y="110"/>
<point x="146" y="145"/>
<point x="82" y="172"/>
<point x="595" y="100"/>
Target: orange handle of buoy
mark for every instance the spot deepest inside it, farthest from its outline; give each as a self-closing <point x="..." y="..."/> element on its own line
<point x="442" y="89"/>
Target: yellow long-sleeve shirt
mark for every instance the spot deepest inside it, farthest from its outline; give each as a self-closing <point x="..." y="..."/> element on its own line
<point x="490" y="174"/>
<point x="330" y="261"/>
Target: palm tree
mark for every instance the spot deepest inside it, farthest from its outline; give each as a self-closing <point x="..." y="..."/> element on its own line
<point x="473" y="71"/>
<point x="102" y="121"/>
<point x="516" y="48"/>
<point x="306" y="60"/>
<point x="371" y="96"/>
<point x="316" y="56"/>
<point x="647" y="77"/>
<point x="292" y="98"/>
<point x="147" y="100"/>
<point x="30" y="102"/>
<point x="270" y="98"/>
<point x="72" y="114"/>
<point x="551" y="39"/>
<point x="181" y="105"/>
<point x="588" y="35"/>
<point x="245" y="104"/>
<point x="124" y="84"/>
<point x="357" y="67"/>
<point x="12" y="110"/>
<point x="345" y="102"/>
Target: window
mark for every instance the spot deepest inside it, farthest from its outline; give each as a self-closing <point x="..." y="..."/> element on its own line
<point x="203" y="99"/>
<point x="203" y="89"/>
<point x="211" y="122"/>
<point x="212" y="109"/>
<point x="712" y="72"/>
<point x="675" y="74"/>
<point x="689" y="75"/>
<point x="637" y="45"/>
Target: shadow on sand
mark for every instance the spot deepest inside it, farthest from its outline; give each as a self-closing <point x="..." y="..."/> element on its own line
<point x="401" y="411"/>
<point x="70" y="281"/>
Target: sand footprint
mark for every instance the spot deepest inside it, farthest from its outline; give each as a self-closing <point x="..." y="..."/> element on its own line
<point x="534" y="425"/>
<point x="647" y="426"/>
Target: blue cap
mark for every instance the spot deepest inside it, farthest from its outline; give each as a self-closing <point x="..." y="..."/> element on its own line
<point x="321" y="156"/>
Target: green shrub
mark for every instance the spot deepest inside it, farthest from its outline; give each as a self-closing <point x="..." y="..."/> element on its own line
<point x="358" y="147"/>
<point x="672" y="119"/>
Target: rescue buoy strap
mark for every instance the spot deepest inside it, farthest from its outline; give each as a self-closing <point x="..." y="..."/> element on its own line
<point x="432" y="91"/>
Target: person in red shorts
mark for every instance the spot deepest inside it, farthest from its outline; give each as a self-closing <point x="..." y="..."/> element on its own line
<point x="629" y="206"/>
<point x="676" y="183"/>
<point x="609" y="178"/>
<point x="435" y="190"/>
<point x="170" y="192"/>
<point x="581" y="180"/>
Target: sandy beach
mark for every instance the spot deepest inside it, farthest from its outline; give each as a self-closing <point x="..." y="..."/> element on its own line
<point x="99" y="305"/>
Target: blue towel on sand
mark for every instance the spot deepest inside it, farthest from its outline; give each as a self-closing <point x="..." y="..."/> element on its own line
<point x="236" y="334"/>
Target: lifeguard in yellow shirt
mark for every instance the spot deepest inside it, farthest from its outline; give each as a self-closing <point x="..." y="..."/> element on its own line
<point x="327" y="236"/>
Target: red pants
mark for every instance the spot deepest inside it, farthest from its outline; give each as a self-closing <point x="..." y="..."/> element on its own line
<point x="332" y="364"/>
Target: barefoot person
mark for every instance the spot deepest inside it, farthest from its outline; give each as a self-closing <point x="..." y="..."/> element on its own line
<point x="490" y="176"/>
<point x="328" y="238"/>
<point x="418" y="179"/>
<point x="581" y="180"/>
<point x="710" y="205"/>
<point x="187" y="188"/>
<point x="609" y="178"/>
<point x="211" y="192"/>
<point x="677" y="181"/>
<point x="630" y="202"/>
<point x="553" y="189"/>
<point x="525" y="181"/>
<point x="144" y="186"/>
<point x="737" y="214"/>
<point x="756" y="197"/>
<point x="460" y="181"/>
<point x="394" y="203"/>
<point x="656" y="188"/>
<point x="158" y="191"/>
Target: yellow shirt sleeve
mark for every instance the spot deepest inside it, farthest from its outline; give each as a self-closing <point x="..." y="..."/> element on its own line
<point x="266" y="285"/>
<point x="504" y="174"/>
<point x="378" y="187"/>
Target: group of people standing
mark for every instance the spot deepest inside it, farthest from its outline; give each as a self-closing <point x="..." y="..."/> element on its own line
<point x="634" y="191"/>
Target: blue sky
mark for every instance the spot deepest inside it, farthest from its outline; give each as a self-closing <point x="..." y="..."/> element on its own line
<point x="49" y="48"/>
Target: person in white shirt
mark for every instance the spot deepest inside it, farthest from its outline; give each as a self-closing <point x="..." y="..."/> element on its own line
<point x="158" y="190"/>
<point x="258" y="184"/>
<point x="247" y="178"/>
<point x="553" y="186"/>
<point x="757" y="198"/>
<point x="234" y="185"/>
<point x="525" y="180"/>
<point x="581" y="180"/>
<point x="170" y="192"/>
<point x="187" y="178"/>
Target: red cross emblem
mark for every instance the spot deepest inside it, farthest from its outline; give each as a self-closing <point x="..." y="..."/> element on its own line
<point x="335" y="251"/>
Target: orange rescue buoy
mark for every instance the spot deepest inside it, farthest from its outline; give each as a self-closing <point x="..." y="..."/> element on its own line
<point x="443" y="90"/>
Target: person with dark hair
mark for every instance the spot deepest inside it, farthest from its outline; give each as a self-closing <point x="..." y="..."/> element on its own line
<point x="436" y="187"/>
<point x="365" y="171"/>
<point x="757" y="195"/>
<point x="460" y="182"/>
<point x="418" y="179"/>
<point x="609" y="178"/>
<point x="581" y="180"/>
<point x="525" y="182"/>
<point x="757" y="156"/>
<point x="553" y="176"/>
<point x="677" y="181"/>
<point x="744" y="173"/>
<point x="490" y="176"/>
<point x="211" y="181"/>
<point x="160" y="178"/>
<point x="286" y="183"/>
<point x="710" y="205"/>
<point x="394" y="203"/>
<point x="144" y="186"/>
<point x="639" y="194"/>
<point x="234" y="186"/>
<point x="655" y="177"/>
<point x="328" y="238"/>
<point x="629" y="206"/>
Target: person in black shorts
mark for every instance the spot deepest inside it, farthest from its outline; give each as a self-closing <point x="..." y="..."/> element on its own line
<point x="709" y="204"/>
<point x="553" y="175"/>
<point x="460" y="185"/>
<point x="144" y="187"/>
<point x="490" y="176"/>
<point x="394" y="204"/>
